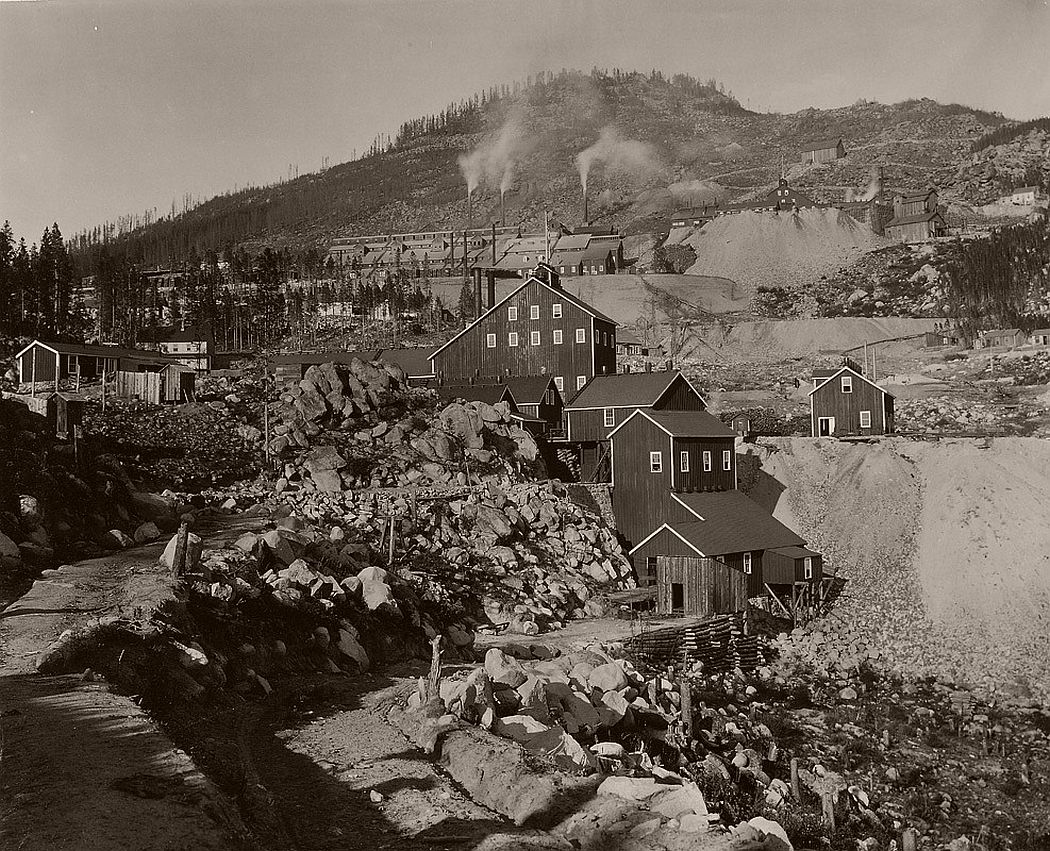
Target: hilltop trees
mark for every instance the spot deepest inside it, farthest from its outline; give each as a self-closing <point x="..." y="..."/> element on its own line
<point x="38" y="286"/>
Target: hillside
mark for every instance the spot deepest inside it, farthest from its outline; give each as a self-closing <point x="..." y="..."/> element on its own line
<point x="653" y="145"/>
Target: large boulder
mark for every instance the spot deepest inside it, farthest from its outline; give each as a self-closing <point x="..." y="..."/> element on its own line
<point x="194" y="548"/>
<point x="608" y="677"/>
<point x="459" y="422"/>
<point x="310" y="403"/>
<point x="10" y="556"/>
<point x="151" y="506"/>
<point x="504" y="669"/>
<point x="349" y="646"/>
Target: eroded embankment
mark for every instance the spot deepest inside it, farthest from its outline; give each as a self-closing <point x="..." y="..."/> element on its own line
<point x="946" y="546"/>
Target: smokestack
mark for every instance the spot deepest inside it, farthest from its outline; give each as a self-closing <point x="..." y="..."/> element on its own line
<point x="477" y="292"/>
<point x="502" y="210"/>
<point x="586" y="219"/>
<point x="492" y="286"/>
<point x="493" y="245"/>
<point x="470" y="212"/>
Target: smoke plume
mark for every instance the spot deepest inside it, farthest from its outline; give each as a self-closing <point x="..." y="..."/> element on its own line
<point x="494" y="160"/>
<point x="874" y="186"/>
<point x="638" y="159"/>
<point x="697" y="193"/>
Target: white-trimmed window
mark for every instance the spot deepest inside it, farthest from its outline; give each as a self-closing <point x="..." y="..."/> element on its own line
<point x="747" y="563"/>
<point x="512" y="314"/>
<point x="847" y="384"/>
<point x="580" y="381"/>
<point x="865" y="419"/>
<point x="707" y="462"/>
<point x="656" y="462"/>
<point x="490" y="340"/>
<point x="727" y="459"/>
<point x="534" y="311"/>
<point x="807" y="567"/>
<point x="534" y="338"/>
<point x="581" y="335"/>
<point x="559" y="382"/>
<point x="610" y="417"/>
<point x="683" y="462"/>
<point x="556" y="308"/>
<point x="557" y="336"/>
<point x="512" y="339"/>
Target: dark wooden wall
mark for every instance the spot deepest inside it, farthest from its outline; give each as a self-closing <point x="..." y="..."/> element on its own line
<point x="696" y="479"/>
<point x="640" y="498"/>
<point x="590" y="424"/>
<point x="680" y="396"/>
<point x="779" y="569"/>
<point x="829" y="401"/>
<point x="710" y="587"/>
<point x="46" y="364"/>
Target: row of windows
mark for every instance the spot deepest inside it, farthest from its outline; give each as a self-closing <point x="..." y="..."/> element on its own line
<point x="534" y="338"/>
<point x="534" y="312"/>
<point x="559" y="382"/>
<point x="656" y="460"/>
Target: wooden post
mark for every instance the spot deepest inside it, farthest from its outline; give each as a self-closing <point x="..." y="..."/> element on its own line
<point x="178" y="563"/>
<point x="685" y="695"/>
<point x="909" y="839"/>
<point x="266" y="426"/>
<point x="796" y="791"/>
<point x="390" y="551"/>
<point x="78" y="373"/>
<point x="33" y="391"/>
<point x="103" y="387"/>
<point x="827" y="803"/>
<point x="434" y="679"/>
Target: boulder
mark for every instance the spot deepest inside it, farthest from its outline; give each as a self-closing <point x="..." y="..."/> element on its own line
<point x="632" y="788"/>
<point x="679" y="801"/>
<point x="608" y="677"/>
<point x="520" y="728"/>
<point x="350" y="646"/>
<point x="151" y="506"/>
<point x="194" y="547"/>
<point x="503" y="669"/>
<point x="533" y="694"/>
<point x="566" y="752"/>
<point x="10" y="557"/>
<point x="147" y="532"/>
<point x="377" y="595"/>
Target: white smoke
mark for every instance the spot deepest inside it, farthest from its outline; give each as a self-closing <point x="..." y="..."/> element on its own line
<point x="495" y="159"/>
<point x="638" y="159"/>
<point x="874" y="186"/>
<point x="697" y="193"/>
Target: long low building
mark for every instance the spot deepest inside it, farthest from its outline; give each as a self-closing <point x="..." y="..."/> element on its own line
<point x="43" y="362"/>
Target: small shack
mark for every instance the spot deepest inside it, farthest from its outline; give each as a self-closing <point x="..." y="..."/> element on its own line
<point x="742" y="425"/>
<point x="178" y="383"/>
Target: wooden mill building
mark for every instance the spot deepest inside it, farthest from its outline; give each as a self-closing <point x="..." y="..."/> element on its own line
<point x="538" y="329"/>
<point x="43" y="362"/>
<point x="846" y="404"/>
<point x="656" y="454"/>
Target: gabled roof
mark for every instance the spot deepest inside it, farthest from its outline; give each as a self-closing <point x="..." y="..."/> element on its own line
<point x="1000" y="331"/>
<point x="529" y="389"/>
<point x="96" y="351"/>
<point x="531" y="279"/>
<point x="914" y="219"/>
<point x="688" y="423"/>
<point x="731" y="523"/>
<point x="796" y="552"/>
<point x="576" y="241"/>
<point x="625" y="390"/>
<point x="626" y="337"/>
<point x="488" y="393"/>
<point x="917" y="196"/>
<point x="822" y="144"/>
<point x="855" y="374"/>
<point x="597" y="250"/>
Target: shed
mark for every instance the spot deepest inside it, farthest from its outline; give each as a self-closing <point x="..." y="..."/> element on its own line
<point x="848" y="404"/>
<point x="823" y="151"/>
<point x="918" y="227"/>
<point x="177" y="383"/>
<point x="65" y="412"/>
<point x="742" y="425"/>
<point x="47" y="362"/>
<point x="1040" y="337"/>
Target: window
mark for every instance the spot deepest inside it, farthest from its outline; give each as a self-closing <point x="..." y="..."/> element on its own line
<point x="747" y="563"/>
<point x="490" y="340"/>
<point x="865" y="419"/>
<point x="807" y="568"/>
<point x="580" y="381"/>
<point x="847" y="384"/>
<point x="559" y="382"/>
<point x="534" y="338"/>
<point x="556" y="308"/>
<point x="610" y="417"/>
<point x="534" y="311"/>
<point x="683" y="462"/>
<point x="557" y="336"/>
<point x="656" y="462"/>
<point x="727" y="459"/>
<point x="512" y="314"/>
<point x="581" y="335"/>
<point x="707" y="462"/>
<point x="512" y="339"/>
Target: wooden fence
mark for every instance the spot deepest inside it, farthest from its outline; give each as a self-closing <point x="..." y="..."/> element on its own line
<point x="138" y="385"/>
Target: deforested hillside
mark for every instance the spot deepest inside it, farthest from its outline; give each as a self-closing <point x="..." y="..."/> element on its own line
<point x="945" y="545"/>
<point x="642" y="144"/>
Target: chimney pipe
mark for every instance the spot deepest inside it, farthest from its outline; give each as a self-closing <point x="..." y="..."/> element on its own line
<point x="476" y="273"/>
<point x="470" y="212"/>
<point x="492" y="286"/>
<point x="586" y="219"/>
<point x="493" y="245"/>
<point x="502" y="210"/>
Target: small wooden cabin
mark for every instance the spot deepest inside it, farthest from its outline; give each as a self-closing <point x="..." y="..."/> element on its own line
<point x="45" y="363"/>
<point x="848" y="404"/>
<point x="177" y="383"/>
<point x="823" y="151"/>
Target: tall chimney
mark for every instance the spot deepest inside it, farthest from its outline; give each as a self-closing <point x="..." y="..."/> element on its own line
<point x="493" y="245"/>
<point x="502" y="210"/>
<point x="477" y="292"/>
<point x="470" y="212"/>
<point x="586" y="220"/>
<point x="492" y="286"/>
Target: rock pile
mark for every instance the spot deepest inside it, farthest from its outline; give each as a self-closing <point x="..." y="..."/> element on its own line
<point x="359" y="425"/>
<point x="952" y="415"/>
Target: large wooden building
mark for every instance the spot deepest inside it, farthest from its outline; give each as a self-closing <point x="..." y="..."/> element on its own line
<point x="845" y="403"/>
<point x="657" y="454"/>
<point x="42" y="362"/>
<point x="538" y="329"/>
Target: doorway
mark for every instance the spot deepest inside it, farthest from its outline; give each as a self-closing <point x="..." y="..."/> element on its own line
<point x="677" y="598"/>
<point x="825" y="426"/>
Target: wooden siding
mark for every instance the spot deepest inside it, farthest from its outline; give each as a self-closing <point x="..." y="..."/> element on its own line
<point x="916" y="231"/>
<point x="779" y="569"/>
<point x="590" y="424"/>
<point x="695" y="479"/>
<point x="46" y="364"/>
<point x="469" y="355"/>
<point x="640" y="498"/>
<point x="139" y="385"/>
<point x="709" y="587"/>
<point x="828" y="400"/>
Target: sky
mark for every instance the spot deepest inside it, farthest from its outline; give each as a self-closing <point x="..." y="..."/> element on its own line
<point x="109" y="107"/>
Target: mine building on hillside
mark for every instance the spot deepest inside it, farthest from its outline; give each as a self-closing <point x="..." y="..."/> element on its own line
<point x="538" y="329"/>
<point x="712" y="554"/>
<point x="784" y="197"/>
<point x="823" y="151"/>
<point x="919" y="227"/>
<point x="1024" y="196"/>
<point x="628" y="344"/>
<point x="846" y="404"/>
<point x="1040" y="337"/>
<point x="655" y="454"/>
